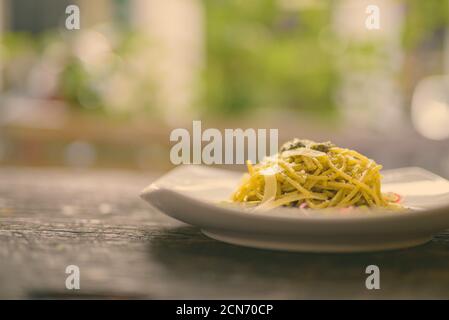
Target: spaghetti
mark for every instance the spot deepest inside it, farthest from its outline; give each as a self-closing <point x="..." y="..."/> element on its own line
<point x="314" y="175"/>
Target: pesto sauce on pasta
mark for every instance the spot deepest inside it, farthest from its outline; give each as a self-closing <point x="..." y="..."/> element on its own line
<point x="314" y="175"/>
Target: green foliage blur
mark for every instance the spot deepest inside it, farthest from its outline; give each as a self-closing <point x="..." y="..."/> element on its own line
<point x="115" y="83"/>
<point x="262" y="56"/>
<point x="424" y="20"/>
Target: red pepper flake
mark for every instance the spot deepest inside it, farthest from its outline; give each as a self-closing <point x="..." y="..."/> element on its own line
<point x="398" y="198"/>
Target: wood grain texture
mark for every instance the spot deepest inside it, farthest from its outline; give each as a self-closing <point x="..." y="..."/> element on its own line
<point x="52" y="218"/>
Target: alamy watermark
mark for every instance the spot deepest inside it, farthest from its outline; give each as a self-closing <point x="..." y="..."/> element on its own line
<point x="372" y="21"/>
<point x="230" y="150"/>
<point x="373" y="280"/>
<point x="72" y="282"/>
<point x="72" y="21"/>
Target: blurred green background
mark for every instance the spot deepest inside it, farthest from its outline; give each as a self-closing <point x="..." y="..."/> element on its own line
<point x="108" y="94"/>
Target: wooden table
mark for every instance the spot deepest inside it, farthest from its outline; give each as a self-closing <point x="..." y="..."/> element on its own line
<point x="51" y="218"/>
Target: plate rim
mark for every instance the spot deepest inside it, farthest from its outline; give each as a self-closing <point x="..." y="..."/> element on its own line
<point x="151" y="190"/>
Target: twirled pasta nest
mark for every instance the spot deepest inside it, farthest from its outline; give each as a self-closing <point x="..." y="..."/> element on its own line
<point x="314" y="175"/>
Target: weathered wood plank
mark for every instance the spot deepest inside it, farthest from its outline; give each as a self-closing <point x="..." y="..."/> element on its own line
<point x="125" y="249"/>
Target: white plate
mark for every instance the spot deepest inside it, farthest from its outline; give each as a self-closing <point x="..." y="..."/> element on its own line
<point x="193" y="194"/>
